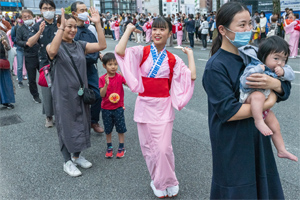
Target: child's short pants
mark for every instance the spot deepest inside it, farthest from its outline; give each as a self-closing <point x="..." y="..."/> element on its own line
<point x="245" y="95"/>
<point x="113" y="118"/>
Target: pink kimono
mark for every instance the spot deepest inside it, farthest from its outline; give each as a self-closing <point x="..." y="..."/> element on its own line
<point x="155" y="115"/>
<point x="117" y="30"/>
<point x="294" y="38"/>
<point x="147" y="28"/>
<point x="179" y="33"/>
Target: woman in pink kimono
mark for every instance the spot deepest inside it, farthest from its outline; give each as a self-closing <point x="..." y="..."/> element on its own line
<point x="117" y="29"/>
<point x="14" y="64"/>
<point x="163" y="82"/>
<point x="147" y="28"/>
<point x="179" y="33"/>
<point x="294" y="36"/>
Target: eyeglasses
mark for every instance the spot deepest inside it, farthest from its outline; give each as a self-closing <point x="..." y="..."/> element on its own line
<point x="49" y="8"/>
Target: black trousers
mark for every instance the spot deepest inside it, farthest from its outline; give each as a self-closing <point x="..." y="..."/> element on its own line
<point x="32" y="67"/>
<point x="204" y="40"/>
<point x="191" y="38"/>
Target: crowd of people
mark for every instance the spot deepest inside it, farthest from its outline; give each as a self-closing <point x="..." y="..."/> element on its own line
<point x="242" y="83"/>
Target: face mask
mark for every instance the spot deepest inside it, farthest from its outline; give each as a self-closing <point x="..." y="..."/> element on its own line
<point x="48" y="15"/>
<point x="29" y="22"/>
<point x="83" y="16"/>
<point x="241" y="38"/>
<point x="261" y="15"/>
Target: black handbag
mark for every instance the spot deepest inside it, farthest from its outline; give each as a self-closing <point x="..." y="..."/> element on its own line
<point x="88" y="95"/>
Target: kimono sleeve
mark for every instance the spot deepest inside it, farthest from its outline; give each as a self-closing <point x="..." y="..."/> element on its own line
<point x="182" y="86"/>
<point x="220" y="93"/>
<point x="130" y="67"/>
<point x="290" y="28"/>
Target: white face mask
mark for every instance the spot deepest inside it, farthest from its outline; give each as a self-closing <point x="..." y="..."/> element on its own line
<point x="29" y="22"/>
<point x="261" y="15"/>
<point x="48" y="14"/>
<point x="83" y="16"/>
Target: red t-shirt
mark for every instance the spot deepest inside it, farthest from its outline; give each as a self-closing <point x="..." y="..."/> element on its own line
<point x="115" y="86"/>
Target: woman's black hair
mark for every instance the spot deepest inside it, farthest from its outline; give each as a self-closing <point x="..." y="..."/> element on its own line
<point x="50" y="2"/>
<point x="162" y="22"/>
<point x="224" y="17"/>
<point x="262" y="12"/>
<point x="66" y="17"/>
<point x="273" y="44"/>
<point x="108" y="57"/>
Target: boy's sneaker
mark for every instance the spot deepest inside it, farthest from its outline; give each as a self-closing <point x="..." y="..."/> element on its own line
<point x="159" y="193"/>
<point x="82" y="162"/>
<point x="109" y="152"/>
<point x="37" y="99"/>
<point x="71" y="169"/>
<point x="121" y="153"/>
<point x="173" y="191"/>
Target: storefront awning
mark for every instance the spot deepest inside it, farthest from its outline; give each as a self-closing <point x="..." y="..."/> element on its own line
<point x="11" y="4"/>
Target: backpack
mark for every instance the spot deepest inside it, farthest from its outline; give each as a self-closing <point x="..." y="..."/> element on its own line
<point x="84" y="34"/>
<point x="172" y="61"/>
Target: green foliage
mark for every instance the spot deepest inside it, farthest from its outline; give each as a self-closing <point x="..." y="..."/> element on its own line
<point x="68" y="10"/>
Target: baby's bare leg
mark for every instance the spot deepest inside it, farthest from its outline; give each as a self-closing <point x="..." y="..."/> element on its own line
<point x="277" y="139"/>
<point x="256" y="100"/>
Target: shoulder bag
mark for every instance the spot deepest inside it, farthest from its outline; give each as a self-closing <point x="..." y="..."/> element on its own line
<point x="87" y="94"/>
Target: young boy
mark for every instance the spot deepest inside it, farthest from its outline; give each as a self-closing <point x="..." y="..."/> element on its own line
<point x="112" y="93"/>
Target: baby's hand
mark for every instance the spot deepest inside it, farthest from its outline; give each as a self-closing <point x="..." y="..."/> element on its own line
<point x="187" y="50"/>
<point x="279" y="71"/>
<point x="263" y="67"/>
<point x="106" y="80"/>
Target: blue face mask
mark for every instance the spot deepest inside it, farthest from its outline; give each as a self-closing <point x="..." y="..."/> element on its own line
<point x="241" y="38"/>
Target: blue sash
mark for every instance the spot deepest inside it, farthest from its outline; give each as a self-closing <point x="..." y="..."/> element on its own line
<point x="157" y="60"/>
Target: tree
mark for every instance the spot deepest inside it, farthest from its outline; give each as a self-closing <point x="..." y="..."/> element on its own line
<point x="68" y="10"/>
<point x="276" y="6"/>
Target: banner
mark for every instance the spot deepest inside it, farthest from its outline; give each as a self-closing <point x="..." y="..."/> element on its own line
<point x="294" y="4"/>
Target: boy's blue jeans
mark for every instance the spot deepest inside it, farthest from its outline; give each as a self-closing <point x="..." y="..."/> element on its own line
<point x="20" y="57"/>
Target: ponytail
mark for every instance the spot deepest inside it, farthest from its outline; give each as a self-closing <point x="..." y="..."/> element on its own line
<point x="224" y="17"/>
<point x="217" y="42"/>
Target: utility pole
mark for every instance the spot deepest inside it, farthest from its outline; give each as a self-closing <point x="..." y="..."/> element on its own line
<point x="160" y="8"/>
<point x="178" y="6"/>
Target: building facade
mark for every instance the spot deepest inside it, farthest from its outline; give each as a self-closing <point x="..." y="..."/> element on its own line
<point x="11" y="5"/>
<point x="118" y="6"/>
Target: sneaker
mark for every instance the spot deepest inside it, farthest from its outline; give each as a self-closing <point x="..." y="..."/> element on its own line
<point x="71" y="169"/>
<point x="82" y="162"/>
<point x="159" y="193"/>
<point x="37" y="99"/>
<point x="97" y="128"/>
<point x="20" y="85"/>
<point x="9" y="106"/>
<point x="292" y="57"/>
<point x="49" y="122"/>
<point x="109" y="152"/>
<point x="173" y="191"/>
<point x="121" y="153"/>
<point x="25" y="78"/>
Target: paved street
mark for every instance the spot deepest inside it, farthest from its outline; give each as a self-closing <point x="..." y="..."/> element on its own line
<point x="31" y="165"/>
